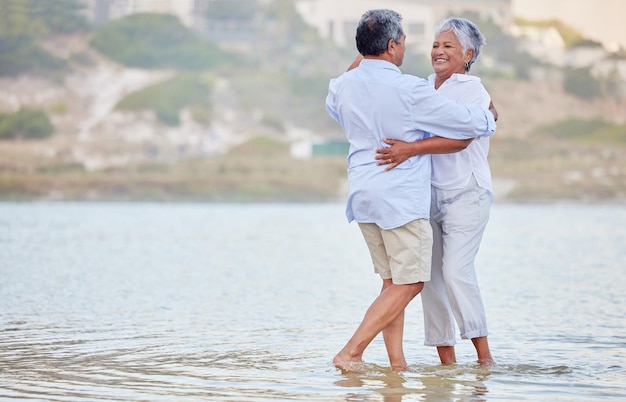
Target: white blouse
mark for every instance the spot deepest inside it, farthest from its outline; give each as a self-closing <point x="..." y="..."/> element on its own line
<point x="454" y="171"/>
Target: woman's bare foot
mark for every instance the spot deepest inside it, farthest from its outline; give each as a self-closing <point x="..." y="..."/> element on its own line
<point x="447" y="355"/>
<point x="482" y="350"/>
<point x="486" y="362"/>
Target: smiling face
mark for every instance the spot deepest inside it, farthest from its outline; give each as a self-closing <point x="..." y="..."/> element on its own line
<point x="447" y="56"/>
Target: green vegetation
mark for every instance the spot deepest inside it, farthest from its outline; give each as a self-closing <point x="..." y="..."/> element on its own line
<point x="22" y="56"/>
<point x="58" y="108"/>
<point x="587" y="43"/>
<point x="273" y="121"/>
<point x="39" y="18"/>
<point x="417" y="64"/>
<point x="157" y="41"/>
<point x="272" y="94"/>
<point x="260" y="170"/>
<point x="309" y="86"/>
<point x="241" y="10"/>
<point x="589" y="130"/>
<point x="612" y="133"/>
<point x="580" y="83"/>
<point x="279" y="77"/>
<point x="502" y="47"/>
<point x="23" y="23"/>
<point x="169" y="97"/>
<point x="25" y="124"/>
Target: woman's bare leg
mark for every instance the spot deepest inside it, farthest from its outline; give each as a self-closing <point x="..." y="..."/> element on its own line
<point x="482" y="350"/>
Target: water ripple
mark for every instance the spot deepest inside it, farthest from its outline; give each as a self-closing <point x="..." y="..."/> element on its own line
<point x="194" y="302"/>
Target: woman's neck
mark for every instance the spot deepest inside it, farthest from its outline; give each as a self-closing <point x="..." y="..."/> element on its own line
<point x="440" y="79"/>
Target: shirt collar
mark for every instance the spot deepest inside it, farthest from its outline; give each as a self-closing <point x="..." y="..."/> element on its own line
<point x="378" y="63"/>
<point x="455" y="77"/>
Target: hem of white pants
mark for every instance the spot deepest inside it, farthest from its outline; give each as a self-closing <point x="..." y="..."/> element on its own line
<point x="440" y="343"/>
<point x="475" y="334"/>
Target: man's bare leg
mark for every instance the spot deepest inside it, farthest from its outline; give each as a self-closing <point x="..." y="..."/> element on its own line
<point x="393" y="337"/>
<point x="384" y="310"/>
<point x="446" y="354"/>
<point x="482" y="350"/>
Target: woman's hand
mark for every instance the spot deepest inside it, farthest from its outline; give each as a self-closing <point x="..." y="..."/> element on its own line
<point x="493" y="110"/>
<point x="356" y="62"/>
<point x="395" y="154"/>
<point x="399" y="151"/>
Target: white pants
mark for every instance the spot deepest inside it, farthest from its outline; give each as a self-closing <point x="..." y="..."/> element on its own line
<point x="458" y="219"/>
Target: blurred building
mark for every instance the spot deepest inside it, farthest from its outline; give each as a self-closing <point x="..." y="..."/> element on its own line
<point x="337" y="20"/>
<point x="102" y="11"/>
<point x="232" y="23"/>
<point x="543" y="43"/>
<point x="599" y="20"/>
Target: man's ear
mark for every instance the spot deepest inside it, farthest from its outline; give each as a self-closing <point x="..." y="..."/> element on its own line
<point x="391" y="46"/>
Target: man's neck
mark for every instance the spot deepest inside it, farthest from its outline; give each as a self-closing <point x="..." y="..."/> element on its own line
<point x="385" y="56"/>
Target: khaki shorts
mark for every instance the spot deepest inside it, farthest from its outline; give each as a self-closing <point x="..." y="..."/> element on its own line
<point x="402" y="254"/>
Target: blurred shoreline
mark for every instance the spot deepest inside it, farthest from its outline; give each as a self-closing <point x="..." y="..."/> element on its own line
<point x="100" y="153"/>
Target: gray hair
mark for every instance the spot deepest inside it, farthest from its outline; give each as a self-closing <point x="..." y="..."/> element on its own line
<point x="467" y="33"/>
<point x="375" y="29"/>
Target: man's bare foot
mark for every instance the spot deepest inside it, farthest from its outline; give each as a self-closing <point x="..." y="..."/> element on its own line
<point x="400" y="366"/>
<point x="347" y="364"/>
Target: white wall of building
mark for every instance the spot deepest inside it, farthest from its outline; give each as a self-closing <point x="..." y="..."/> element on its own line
<point x="115" y="9"/>
<point x="600" y="20"/>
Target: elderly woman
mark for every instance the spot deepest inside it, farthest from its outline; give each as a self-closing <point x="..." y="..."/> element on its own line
<point x="462" y="194"/>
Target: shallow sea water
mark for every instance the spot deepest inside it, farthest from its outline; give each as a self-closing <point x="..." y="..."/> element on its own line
<point x="250" y="302"/>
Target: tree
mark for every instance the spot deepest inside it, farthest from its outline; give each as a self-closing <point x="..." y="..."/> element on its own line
<point x="39" y="18"/>
<point x="580" y="83"/>
<point x="154" y="41"/>
<point x="25" y="123"/>
<point x="23" y="22"/>
<point x="241" y="10"/>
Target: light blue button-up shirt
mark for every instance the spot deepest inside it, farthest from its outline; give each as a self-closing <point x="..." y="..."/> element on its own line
<point x="376" y="101"/>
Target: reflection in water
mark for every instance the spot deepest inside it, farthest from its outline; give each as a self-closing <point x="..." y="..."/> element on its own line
<point x="388" y="383"/>
<point x="447" y="383"/>
<point x="103" y="302"/>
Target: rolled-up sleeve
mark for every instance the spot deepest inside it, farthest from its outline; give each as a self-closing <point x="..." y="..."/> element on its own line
<point x="442" y="117"/>
<point x="330" y="101"/>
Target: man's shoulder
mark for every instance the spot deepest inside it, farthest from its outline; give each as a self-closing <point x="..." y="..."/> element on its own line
<point x="347" y="75"/>
<point x="390" y="77"/>
<point x="414" y="79"/>
<point x="411" y="82"/>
